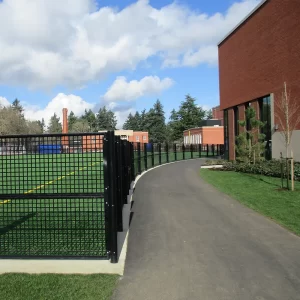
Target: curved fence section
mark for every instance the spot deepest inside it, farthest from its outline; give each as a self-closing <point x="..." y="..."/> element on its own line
<point x="62" y="195"/>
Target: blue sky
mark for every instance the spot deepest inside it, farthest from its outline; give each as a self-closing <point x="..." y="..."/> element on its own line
<point x="79" y="54"/>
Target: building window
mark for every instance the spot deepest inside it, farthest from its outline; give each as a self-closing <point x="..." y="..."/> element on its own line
<point x="226" y="135"/>
<point x="236" y="121"/>
<point x="265" y="116"/>
<point x="137" y="138"/>
<point x="144" y="138"/>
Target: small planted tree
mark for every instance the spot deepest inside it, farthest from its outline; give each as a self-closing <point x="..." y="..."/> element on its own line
<point x="287" y="114"/>
<point x="250" y="143"/>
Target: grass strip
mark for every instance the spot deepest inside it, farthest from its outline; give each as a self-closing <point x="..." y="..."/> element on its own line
<point x="260" y="193"/>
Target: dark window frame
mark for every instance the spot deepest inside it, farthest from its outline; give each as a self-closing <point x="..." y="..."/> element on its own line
<point x="226" y="134"/>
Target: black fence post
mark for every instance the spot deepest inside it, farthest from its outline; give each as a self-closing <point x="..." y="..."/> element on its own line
<point x="207" y="150"/>
<point x="175" y="152"/>
<point x="139" y="158"/>
<point x="159" y="153"/>
<point x="200" y="150"/>
<point x="119" y="181"/>
<point x="145" y="157"/>
<point x="167" y="152"/>
<point x="125" y="170"/>
<point x="152" y="154"/>
<point x="218" y="153"/>
<point x="110" y="195"/>
<point x="192" y="149"/>
<point x="132" y="168"/>
<point x="183" y="152"/>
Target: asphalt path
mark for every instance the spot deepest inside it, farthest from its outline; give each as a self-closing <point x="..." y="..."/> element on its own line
<point x="189" y="241"/>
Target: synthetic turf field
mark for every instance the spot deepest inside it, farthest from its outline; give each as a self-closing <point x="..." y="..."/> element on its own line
<point x="52" y="227"/>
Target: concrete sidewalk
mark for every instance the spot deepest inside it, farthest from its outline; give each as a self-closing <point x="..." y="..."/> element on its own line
<point x="188" y="241"/>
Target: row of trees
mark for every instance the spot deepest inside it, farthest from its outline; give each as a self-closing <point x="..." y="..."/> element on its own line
<point x="12" y="121"/>
<point x="188" y="115"/>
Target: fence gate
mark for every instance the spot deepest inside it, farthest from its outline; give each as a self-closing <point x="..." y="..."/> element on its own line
<point x="52" y="196"/>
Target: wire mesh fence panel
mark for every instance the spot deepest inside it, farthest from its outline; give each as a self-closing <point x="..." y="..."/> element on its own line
<point x="51" y="196"/>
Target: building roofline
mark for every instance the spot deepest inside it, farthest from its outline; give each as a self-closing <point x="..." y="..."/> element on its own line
<point x="256" y="8"/>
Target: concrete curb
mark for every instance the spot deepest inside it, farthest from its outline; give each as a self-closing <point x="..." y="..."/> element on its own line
<point x="212" y="167"/>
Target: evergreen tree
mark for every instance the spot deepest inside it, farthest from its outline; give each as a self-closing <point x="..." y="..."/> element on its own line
<point x="155" y="123"/>
<point x="143" y="120"/>
<point x="188" y="116"/>
<point x="54" y="125"/>
<point x="209" y="115"/>
<point x="250" y="142"/>
<point x="16" y="106"/>
<point x="128" y="123"/>
<point x="71" y="120"/>
<point x="91" y="119"/>
<point x="42" y="125"/>
<point x="80" y="126"/>
<point x="106" y="119"/>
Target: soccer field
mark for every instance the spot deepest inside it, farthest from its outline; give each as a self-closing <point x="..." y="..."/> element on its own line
<point x="43" y="225"/>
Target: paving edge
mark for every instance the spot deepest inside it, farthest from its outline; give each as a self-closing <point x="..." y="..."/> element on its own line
<point x="211" y="166"/>
<point x="81" y="266"/>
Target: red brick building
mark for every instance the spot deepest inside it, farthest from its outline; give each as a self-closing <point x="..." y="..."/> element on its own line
<point x="255" y="60"/>
<point x="217" y="114"/>
<point x="211" y="133"/>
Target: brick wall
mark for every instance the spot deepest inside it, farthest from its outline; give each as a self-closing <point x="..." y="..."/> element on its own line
<point x="139" y="137"/>
<point x="209" y="135"/>
<point x="217" y="114"/>
<point x="261" y="54"/>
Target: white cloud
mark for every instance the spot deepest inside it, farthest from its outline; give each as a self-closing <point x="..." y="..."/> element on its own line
<point x="122" y="90"/>
<point x="71" y="42"/>
<point x="72" y="102"/>
<point x="4" y="102"/>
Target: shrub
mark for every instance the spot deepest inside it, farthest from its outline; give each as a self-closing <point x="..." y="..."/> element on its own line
<point x="270" y="168"/>
<point x="211" y="162"/>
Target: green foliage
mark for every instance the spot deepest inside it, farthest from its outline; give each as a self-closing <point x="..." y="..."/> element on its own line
<point x="80" y="126"/>
<point x="71" y="120"/>
<point x="188" y="116"/>
<point x="16" y="106"/>
<point x="106" y="119"/>
<point x="211" y="162"/>
<point x="250" y="142"/>
<point x="209" y="114"/>
<point x="155" y="123"/>
<point x="90" y="118"/>
<point x="54" y="125"/>
<point x="133" y="122"/>
<point x="270" y="168"/>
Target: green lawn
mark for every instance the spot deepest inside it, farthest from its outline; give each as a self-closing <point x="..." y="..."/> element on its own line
<point x="52" y="227"/>
<point x="260" y="193"/>
<point x="57" y="287"/>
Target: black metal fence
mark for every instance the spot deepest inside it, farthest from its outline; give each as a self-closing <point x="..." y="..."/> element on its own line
<point x="63" y="195"/>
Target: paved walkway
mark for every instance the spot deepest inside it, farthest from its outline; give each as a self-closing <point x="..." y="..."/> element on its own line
<point x="187" y="241"/>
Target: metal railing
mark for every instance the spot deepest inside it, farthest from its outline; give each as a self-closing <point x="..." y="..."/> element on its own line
<point x="52" y="197"/>
<point x="62" y="195"/>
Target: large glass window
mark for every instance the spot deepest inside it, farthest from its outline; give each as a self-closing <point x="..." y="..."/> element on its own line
<point x="226" y="135"/>
<point x="265" y="116"/>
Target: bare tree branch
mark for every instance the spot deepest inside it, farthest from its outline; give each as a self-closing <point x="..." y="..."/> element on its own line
<point x="287" y="114"/>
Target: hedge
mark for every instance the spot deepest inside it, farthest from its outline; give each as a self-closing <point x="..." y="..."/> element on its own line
<point x="270" y="168"/>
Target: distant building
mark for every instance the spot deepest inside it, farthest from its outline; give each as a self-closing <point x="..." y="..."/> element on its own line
<point x="133" y="136"/>
<point x="218" y="114"/>
<point x="210" y="132"/>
